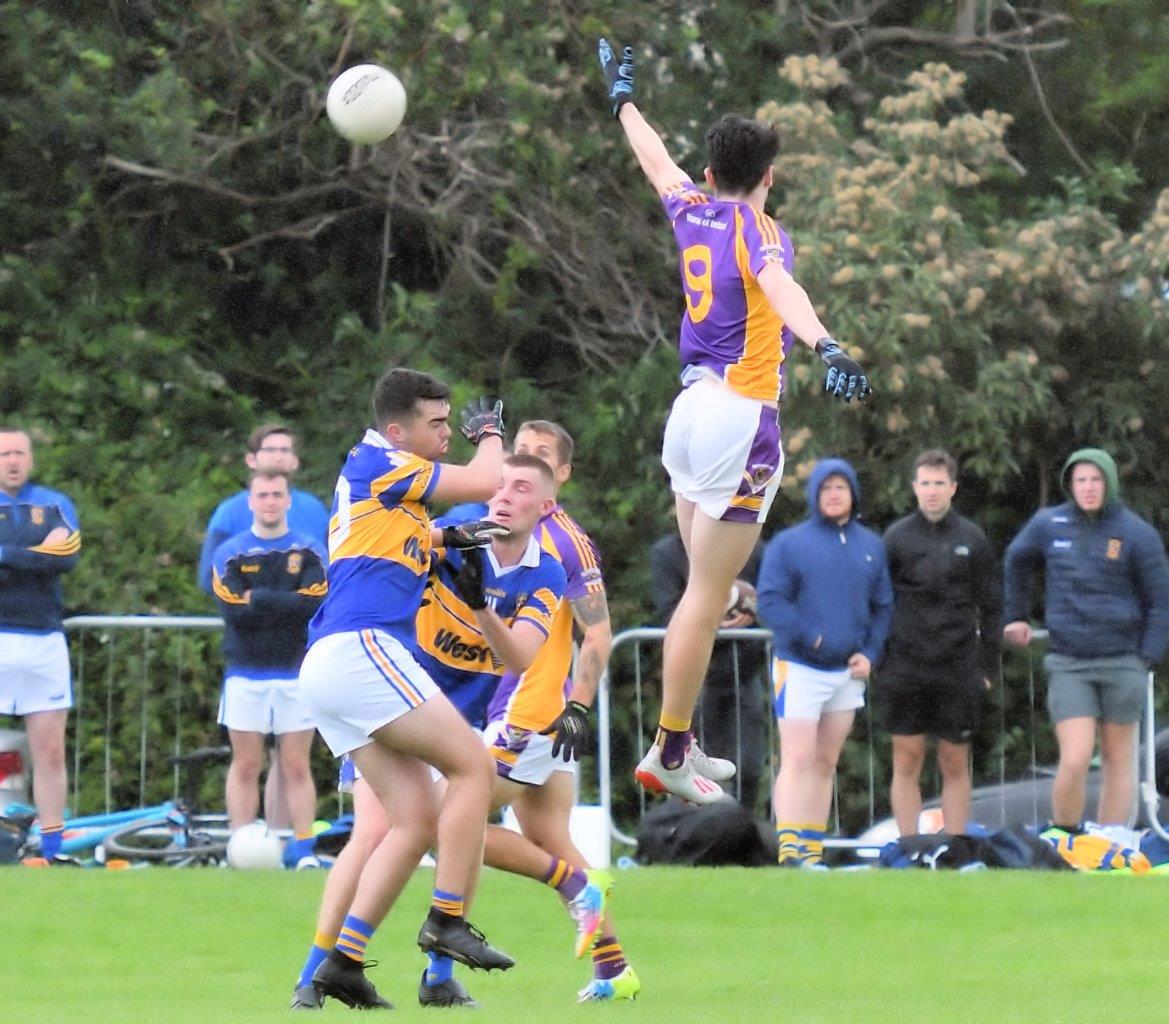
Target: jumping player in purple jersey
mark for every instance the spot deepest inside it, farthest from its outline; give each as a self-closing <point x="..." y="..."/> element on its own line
<point x="721" y="446"/>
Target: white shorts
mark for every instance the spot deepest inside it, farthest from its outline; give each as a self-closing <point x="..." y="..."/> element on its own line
<point x="354" y="683"/>
<point x="270" y="706"/>
<point x="722" y="452"/>
<point x="34" y="673"/>
<point x="523" y="755"/>
<point x="803" y="692"/>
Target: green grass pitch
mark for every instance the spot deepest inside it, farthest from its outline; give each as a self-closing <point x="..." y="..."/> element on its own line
<point x="710" y="945"/>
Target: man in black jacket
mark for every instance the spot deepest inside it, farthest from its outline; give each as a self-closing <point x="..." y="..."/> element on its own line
<point x="943" y="650"/>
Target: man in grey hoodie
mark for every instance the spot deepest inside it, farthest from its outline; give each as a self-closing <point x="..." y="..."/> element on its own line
<point x="1107" y="614"/>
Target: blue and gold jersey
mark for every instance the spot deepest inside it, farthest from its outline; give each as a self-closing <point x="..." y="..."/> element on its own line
<point x="267" y="589"/>
<point x="379" y="542"/>
<point x="30" y="564"/>
<point x="450" y="646"/>
<point x="533" y="700"/>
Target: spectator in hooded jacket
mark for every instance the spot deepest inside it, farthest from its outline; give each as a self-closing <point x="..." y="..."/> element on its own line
<point x="824" y="592"/>
<point x="1107" y="614"/>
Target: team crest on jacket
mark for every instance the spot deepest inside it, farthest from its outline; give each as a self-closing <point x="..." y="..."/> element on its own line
<point x="1114" y="548"/>
<point x="295" y="560"/>
<point x="37" y="515"/>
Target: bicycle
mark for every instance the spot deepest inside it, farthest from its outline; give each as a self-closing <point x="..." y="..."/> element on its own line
<point x="172" y="832"/>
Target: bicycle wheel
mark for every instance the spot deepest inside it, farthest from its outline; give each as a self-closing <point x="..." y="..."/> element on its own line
<point x="162" y="841"/>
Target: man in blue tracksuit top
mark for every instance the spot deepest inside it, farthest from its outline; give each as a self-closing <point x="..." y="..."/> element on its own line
<point x="1107" y="613"/>
<point x="39" y="542"/>
<point x="268" y="581"/>
<point x="825" y="593"/>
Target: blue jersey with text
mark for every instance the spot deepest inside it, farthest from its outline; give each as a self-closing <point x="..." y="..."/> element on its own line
<point x="450" y="646"/>
<point x="379" y="542"/>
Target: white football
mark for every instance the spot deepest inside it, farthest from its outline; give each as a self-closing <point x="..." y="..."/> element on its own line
<point x="253" y="846"/>
<point x="366" y="103"/>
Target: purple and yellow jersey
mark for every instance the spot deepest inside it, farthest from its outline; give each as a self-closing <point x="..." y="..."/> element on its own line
<point x="379" y="542"/>
<point x="450" y="646"/>
<point x="533" y="700"/>
<point x="730" y="329"/>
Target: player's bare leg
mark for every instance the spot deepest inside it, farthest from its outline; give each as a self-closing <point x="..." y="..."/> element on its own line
<point x="243" y="777"/>
<point x="1077" y="740"/>
<point x="1116" y="805"/>
<point x="370" y="826"/>
<point x="954" y="764"/>
<point x="718" y="551"/>
<point x="809" y="752"/>
<point x="439" y="734"/>
<point x="544" y="813"/>
<point x="46" y="746"/>
<point x="905" y="790"/>
<point x="301" y="794"/>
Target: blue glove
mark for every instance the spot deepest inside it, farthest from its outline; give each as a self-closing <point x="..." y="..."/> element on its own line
<point x="844" y="378"/>
<point x="618" y="77"/>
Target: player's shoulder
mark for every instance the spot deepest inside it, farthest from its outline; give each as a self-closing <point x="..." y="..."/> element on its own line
<point x="563" y="521"/>
<point x="234" y="545"/>
<point x="39" y="494"/>
<point x="900" y="527"/>
<point x="684" y="190"/>
<point x="229" y="511"/>
<point x="550" y="568"/>
<point x="969" y="528"/>
<point x="306" y="499"/>
<point x="297" y="540"/>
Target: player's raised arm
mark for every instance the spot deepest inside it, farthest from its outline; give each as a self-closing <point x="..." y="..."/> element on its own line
<point x="843" y="376"/>
<point x="481" y="423"/>
<point x="646" y="144"/>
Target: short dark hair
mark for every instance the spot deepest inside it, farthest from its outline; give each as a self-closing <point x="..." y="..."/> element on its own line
<point x="269" y="474"/>
<point x="523" y="461"/>
<point x="740" y="151"/>
<point x="935" y="458"/>
<point x="12" y="428"/>
<point x="397" y="393"/>
<point x="564" y="443"/>
<point x="264" y="431"/>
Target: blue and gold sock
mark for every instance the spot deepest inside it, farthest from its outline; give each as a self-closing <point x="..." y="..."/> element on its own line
<point x="322" y="943"/>
<point x="51" y="837"/>
<point x="812" y="843"/>
<point x="449" y="903"/>
<point x="442" y="968"/>
<point x="788" y="836"/>
<point x="354" y="937"/>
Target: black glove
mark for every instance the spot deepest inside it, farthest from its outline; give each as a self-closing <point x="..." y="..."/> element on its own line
<point x="570" y="731"/>
<point x="844" y="378"/>
<point x="480" y="418"/>
<point x="618" y="77"/>
<point x="469" y="581"/>
<point x="478" y="534"/>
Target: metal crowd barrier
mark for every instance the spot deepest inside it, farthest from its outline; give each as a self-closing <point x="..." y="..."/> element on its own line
<point x="172" y="671"/>
<point x="631" y="642"/>
<point x="157" y="674"/>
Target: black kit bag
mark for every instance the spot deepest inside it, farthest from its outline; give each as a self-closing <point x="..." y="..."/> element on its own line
<point x="722" y="833"/>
